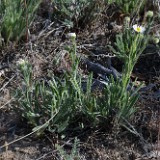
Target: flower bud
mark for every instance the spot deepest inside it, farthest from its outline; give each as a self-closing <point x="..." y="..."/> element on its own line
<point x="149" y="14"/>
<point x="127" y="19"/>
<point x="155" y="40"/>
<point x="127" y="22"/>
<point x="22" y="62"/>
<point x="71" y="35"/>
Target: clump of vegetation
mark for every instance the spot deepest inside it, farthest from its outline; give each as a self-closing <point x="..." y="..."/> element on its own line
<point x="58" y="104"/>
<point x="130" y="7"/>
<point x="73" y="154"/>
<point x="78" y="14"/>
<point x="61" y="101"/>
<point x="16" y="17"/>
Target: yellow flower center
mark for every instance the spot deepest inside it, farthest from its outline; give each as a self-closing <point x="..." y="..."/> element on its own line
<point x="138" y="29"/>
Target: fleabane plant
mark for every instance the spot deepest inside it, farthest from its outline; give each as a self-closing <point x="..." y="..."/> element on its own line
<point x="128" y="6"/>
<point x="129" y="46"/>
<point x="55" y="104"/>
<point x="79" y="13"/>
<point x="15" y="16"/>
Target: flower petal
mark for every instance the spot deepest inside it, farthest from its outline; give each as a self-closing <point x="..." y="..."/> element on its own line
<point x="142" y="29"/>
<point x="135" y="27"/>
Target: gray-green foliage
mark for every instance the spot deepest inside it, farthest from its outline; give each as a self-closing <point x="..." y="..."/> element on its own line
<point x="119" y="101"/>
<point x="129" y="6"/>
<point x="73" y="155"/>
<point x="62" y="102"/>
<point x="79" y="13"/>
<point x="128" y="47"/>
<point x="15" y="16"/>
<point x="59" y="101"/>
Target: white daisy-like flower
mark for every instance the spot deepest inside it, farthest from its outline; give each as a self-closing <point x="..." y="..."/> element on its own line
<point x="71" y="35"/>
<point x="139" y="29"/>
